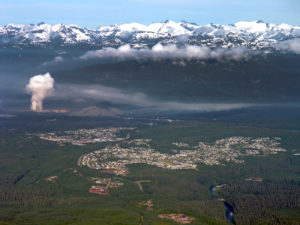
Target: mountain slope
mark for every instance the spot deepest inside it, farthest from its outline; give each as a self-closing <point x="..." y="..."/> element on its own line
<point x="254" y="35"/>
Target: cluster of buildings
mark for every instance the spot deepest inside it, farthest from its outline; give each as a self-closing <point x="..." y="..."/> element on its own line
<point x="255" y="179"/>
<point x="181" y="144"/>
<point x="177" y="217"/>
<point x="149" y="204"/>
<point x="100" y="190"/>
<point x="140" y="142"/>
<point x="114" y="159"/>
<point x="104" y="184"/>
<point x="51" y="179"/>
<point x="233" y="149"/>
<point x="84" y="136"/>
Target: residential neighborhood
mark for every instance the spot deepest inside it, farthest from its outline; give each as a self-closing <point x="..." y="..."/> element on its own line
<point x="84" y="136"/>
<point x="114" y="159"/>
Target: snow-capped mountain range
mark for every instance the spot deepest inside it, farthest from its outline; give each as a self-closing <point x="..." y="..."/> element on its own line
<point x="254" y="35"/>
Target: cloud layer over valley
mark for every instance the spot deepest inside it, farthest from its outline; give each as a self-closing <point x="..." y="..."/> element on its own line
<point x="292" y="45"/>
<point x="170" y="51"/>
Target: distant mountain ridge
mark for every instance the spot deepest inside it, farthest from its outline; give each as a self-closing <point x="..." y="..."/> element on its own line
<point x="256" y="35"/>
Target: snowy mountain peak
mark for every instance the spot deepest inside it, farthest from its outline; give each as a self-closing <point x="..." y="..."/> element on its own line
<point x="260" y="21"/>
<point x="252" y="27"/>
<point x="40" y="23"/>
<point x="253" y="34"/>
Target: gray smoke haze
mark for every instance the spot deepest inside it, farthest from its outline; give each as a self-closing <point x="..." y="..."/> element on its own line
<point x="171" y="51"/>
<point x="117" y="96"/>
<point x="5" y="115"/>
<point x="39" y="86"/>
<point x="94" y="111"/>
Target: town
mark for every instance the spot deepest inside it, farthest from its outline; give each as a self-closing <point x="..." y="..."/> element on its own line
<point x="114" y="159"/>
<point x="84" y="136"/>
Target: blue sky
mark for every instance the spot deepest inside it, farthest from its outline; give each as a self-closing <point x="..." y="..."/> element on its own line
<point x="93" y="13"/>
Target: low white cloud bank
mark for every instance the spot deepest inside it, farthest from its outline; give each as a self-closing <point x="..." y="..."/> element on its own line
<point x="292" y="45"/>
<point x="171" y="51"/>
<point x="117" y="96"/>
<point x="39" y="86"/>
<point x="57" y="59"/>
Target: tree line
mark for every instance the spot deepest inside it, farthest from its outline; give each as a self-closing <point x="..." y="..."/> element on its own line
<point x="266" y="202"/>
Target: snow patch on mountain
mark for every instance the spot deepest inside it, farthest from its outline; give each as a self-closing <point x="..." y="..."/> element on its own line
<point x="255" y="35"/>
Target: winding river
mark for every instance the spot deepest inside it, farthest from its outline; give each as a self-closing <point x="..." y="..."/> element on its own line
<point x="228" y="208"/>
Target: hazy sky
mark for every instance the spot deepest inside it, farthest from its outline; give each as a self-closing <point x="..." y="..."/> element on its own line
<point x="94" y="13"/>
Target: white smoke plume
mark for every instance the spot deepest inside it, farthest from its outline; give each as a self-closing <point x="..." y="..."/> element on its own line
<point x="40" y="86"/>
<point x="171" y="51"/>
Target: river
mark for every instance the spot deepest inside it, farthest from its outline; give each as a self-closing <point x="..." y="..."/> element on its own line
<point x="228" y="208"/>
